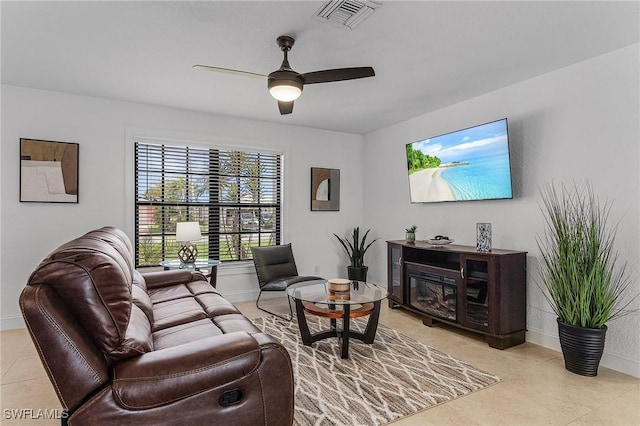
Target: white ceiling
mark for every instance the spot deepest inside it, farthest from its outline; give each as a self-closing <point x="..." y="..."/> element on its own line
<point x="426" y="55"/>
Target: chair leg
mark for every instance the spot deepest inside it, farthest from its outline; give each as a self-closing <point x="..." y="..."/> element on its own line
<point x="273" y="313"/>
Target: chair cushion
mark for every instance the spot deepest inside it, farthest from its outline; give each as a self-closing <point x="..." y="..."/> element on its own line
<point x="282" y="283"/>
<point x="273" y="262"/>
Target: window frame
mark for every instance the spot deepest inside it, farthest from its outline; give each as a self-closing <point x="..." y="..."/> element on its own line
<point x="214" y="225"/>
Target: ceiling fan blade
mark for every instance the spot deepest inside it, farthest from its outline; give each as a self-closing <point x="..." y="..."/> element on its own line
<point x="229" y="71"/>
<point x="285" y="107"/>
<point x="338" y="74"/>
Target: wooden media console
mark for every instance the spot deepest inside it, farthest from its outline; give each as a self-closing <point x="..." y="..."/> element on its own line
<point x="457" y="285"/>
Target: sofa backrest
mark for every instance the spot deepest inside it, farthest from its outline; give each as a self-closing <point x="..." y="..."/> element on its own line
<point x="78" y="308"/>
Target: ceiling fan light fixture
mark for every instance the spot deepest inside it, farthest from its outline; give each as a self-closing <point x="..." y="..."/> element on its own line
<point x="285" y="90"/>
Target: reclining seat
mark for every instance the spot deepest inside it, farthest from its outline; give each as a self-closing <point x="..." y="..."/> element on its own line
<point x="117" y="356"/>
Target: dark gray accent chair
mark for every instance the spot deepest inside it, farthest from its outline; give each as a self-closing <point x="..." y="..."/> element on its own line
<point x="276" y="270"/>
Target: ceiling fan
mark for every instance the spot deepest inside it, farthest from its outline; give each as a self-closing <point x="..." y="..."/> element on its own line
<point x="286" y="85"/>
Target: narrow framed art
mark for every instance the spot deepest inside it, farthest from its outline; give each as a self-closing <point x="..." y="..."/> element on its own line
<point x="325" y="189"/>
<point x="48" y="171"/>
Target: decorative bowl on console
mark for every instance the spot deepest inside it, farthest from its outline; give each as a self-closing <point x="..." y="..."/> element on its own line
<point x="439" y="240"/>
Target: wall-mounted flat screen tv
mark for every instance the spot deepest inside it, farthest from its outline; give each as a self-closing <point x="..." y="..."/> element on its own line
<point x="469" y="164"/>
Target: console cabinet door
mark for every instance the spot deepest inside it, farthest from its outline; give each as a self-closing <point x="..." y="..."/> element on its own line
<point x="395" y="279"/>
<point x="477" y="292"/>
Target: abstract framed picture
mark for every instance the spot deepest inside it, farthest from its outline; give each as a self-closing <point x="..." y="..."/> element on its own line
<point x="48" y="171"/>
<point x="325" y="189"/>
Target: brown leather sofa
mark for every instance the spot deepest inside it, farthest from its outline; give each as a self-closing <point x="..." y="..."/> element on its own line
<point x="122" y="347"/>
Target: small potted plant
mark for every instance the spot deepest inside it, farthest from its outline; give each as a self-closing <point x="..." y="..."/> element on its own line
<point x="581" y="278"/>
<point x="355" y="250"/>
<point x="411" y="234"/>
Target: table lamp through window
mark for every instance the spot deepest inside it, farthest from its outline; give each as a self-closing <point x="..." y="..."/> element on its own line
<point x="186" y="233"/>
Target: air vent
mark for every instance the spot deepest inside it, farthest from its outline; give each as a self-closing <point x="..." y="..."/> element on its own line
<point x="346" y="13"/>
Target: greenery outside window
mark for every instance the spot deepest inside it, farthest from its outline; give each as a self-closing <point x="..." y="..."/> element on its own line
<point x="235" y="196"/>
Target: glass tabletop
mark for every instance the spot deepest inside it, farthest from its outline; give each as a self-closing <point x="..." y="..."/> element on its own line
<point x="198" y="264"/>
<point x="318" y="292"/>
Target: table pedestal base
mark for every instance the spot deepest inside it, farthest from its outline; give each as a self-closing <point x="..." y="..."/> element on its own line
<point x="371" y="309"/>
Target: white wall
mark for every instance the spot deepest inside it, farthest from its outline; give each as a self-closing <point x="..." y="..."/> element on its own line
<point x="104" y="130"/>
<point x="575" y="123"/>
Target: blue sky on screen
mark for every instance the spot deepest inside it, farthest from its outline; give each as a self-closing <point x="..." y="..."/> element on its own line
<point x="486" y="139"/>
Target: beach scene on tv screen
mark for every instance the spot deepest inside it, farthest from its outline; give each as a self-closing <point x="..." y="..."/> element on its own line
<point x="470" y="164"/>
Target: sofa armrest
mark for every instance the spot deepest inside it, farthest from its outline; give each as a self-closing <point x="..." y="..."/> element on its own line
<point x="171" y="277"/>
<point x="161" y="377"/>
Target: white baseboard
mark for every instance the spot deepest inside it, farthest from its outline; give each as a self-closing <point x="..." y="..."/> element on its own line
<point x="11" y="322"/>
<point x="614" y="361"/>
<point x="241" y="296"/>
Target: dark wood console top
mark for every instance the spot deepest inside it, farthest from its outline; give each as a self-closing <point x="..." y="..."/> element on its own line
<point x="455" y="248"/>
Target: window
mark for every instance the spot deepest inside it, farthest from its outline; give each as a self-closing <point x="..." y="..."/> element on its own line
<point x="235" y="196"/>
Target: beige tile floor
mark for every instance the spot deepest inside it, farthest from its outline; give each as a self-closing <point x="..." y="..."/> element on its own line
<point x="535" y="387"/>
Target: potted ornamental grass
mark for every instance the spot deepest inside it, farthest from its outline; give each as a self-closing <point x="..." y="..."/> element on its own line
<point x="583" y="278"/>
<point x="355" y="248"/>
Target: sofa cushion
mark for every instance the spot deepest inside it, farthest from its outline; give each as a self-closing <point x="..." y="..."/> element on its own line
<point x="235" y="322"/>
<point x="184" y="333"/>
<point x="215" y="304"/>
<point x="201" y="287"/>
<point x="141" y="300"/>
<point x="175" y="312"/>
<point x="138" y="280"/>
<point x="165" y="294"/>
<point x="138" y="339"/>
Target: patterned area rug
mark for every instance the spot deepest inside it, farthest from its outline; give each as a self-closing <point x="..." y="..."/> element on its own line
<point x="395" y="377"/>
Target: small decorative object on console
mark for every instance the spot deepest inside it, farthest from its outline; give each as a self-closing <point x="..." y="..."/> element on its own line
<point x="411" y="234"/>
<point x="439" y="240"/>
<point x="483" y="235"/>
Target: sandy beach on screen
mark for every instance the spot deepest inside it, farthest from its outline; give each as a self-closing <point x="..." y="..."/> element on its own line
<point x="428" y="185"/>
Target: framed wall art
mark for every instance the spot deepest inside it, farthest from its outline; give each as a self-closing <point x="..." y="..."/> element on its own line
<point x="48" y="171"/>
<point x="325" y="189"/>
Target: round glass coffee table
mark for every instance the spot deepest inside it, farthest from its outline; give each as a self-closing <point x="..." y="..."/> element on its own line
<point x="361" y="299"/>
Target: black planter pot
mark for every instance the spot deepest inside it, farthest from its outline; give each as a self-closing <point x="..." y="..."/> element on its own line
<point x="357" y="273"/>
<point x="581" y="347"/>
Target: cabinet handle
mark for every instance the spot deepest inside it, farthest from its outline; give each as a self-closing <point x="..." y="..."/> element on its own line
<point x="462" y="272"/>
